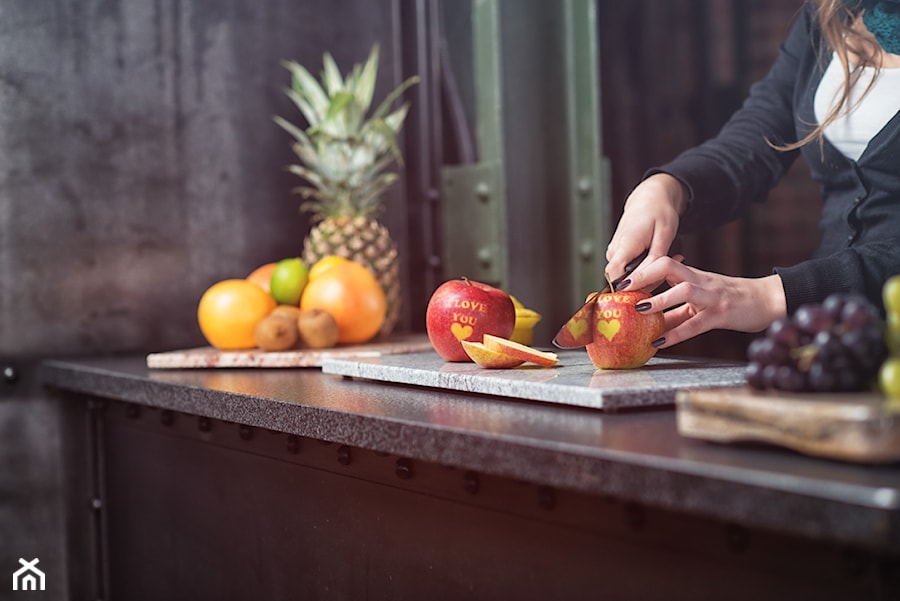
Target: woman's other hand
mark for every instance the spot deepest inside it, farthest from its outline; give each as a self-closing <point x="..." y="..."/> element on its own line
<point x="700" y="301"/>
<point x="649" y="222"/>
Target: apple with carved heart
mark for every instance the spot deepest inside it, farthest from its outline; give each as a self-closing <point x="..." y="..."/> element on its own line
<point x="615" y="334"/>
<point x="464" y="309"/>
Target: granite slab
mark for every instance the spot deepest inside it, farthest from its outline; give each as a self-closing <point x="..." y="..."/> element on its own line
<point x="573" y="381"/>
<point x="209" y="357"/>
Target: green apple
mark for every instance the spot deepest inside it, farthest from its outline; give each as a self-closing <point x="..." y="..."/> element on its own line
<point x="288" y="281"/>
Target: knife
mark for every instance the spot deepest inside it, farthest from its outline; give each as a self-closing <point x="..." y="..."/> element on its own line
<point x="576" y="332"/>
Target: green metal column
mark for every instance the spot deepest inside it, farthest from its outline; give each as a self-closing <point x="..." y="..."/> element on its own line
<point x="474" y="214"/>
<point x="531" y="215"/>
<point x="589" y="179"/>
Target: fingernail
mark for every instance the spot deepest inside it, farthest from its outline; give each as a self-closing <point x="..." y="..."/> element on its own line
<point x="642" y="306"/>
<point x="623" y="285"/>
<point x="658" y="342"/>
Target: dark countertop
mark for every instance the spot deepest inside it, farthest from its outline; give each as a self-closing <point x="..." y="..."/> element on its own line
<point x="636" y="455"/>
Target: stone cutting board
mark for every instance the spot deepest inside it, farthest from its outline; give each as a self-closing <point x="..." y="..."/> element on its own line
<point x="208" y="357"/>
<point x="852" y="427"/>
<point x="574" y="381"/>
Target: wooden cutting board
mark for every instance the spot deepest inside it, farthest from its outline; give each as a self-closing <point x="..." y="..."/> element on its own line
<point x="208" y="357"/>
<point x="852" y="427"/>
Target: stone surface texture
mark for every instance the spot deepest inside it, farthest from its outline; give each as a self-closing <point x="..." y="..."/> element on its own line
<point x="633" y="455"/>
<point x="573" y="381"/>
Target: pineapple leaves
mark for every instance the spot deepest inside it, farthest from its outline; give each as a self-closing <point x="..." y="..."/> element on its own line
<point x="293" y="130"/>
<point x="389" y="100"/>
<point x="344" y="155"/>
<point x="364" y="89"/>
<point x="331" y="77"/>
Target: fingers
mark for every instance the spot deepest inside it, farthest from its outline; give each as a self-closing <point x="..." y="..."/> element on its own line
<point x="683" y="323"/>
<point x="655" y="270"/>
<point x="620" y="253"/>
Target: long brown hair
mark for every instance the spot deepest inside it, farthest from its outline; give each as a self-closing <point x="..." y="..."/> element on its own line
<point x="838" y="21"/>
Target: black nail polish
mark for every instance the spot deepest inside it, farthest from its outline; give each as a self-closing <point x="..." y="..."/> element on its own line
<point x="622" y="285"/>
<point x="642" y="306"/>
<point x="658" y="342"/>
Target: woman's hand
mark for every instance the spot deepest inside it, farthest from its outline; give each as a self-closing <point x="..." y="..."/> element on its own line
<point x="699" y="301"/>
<point x="649" y="222"/>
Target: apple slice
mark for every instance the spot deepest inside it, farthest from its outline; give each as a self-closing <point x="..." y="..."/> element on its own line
<point x="485" y="357"/>
<point x="520" y="351"/>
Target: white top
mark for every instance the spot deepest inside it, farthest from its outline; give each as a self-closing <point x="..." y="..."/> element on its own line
<point x="851" y="132"/>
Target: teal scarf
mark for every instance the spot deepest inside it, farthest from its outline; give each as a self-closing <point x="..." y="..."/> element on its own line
<point x="882" y="19"/>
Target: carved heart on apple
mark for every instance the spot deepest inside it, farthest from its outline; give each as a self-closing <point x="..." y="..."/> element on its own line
<point x="615" y="334"/>
<point x="463" y="309"/>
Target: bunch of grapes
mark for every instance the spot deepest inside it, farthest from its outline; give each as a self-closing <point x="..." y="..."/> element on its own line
<point x="834" y="346"/>
<point x="889" y="375"/>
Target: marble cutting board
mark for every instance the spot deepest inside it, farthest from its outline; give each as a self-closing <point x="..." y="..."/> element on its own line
<point x="208" y="357"/>
<point x="574" y="381"/>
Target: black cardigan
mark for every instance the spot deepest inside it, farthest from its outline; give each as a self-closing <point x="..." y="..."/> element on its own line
<point x="860" y="222"/>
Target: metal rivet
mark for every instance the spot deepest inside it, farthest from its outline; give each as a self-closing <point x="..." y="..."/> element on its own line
<point x="10" y="375"/>
<point x="587" y="250"/>
<point x="167" y="417"/>
<point x="471" y="482"/>
<point x="737" y="538"/>
<point x="204" y="424"/>
<point x="343" y="454"/>
<point x="635" y="516"/>
<point x="485" y="256"/>
<point x="483" y="192"/>
<point x="245" y="432"/>
<point x="96" y="504"/>
<point x="546" y="498"/>
<point x="404" y="469"/>
<point x="133" y="411"/>
<point x="293" y="444"/>
<point x="584" y="186"/>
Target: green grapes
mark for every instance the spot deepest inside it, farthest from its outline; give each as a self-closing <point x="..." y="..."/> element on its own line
<point x="889" y="374"/>
<point x="891" y="295"/>
<point x="889" y="377"/>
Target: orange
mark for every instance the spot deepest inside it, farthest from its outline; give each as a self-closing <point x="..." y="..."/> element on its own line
<point x="262" y="275"/>
<point x="229" y="311"/>
<point x="324" y="264"/>
<point x="352" y="296"/>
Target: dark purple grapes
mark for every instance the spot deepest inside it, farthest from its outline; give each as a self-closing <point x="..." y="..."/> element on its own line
<point x="835" y="346"/>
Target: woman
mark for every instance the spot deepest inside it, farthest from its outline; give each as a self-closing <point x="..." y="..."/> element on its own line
<point x="832" y="95"/>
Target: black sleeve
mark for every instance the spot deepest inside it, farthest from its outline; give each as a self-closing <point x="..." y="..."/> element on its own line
<point x="862" y="269"/>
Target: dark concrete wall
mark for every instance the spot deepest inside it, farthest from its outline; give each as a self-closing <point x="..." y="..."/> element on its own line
<point x="138" y="165"/>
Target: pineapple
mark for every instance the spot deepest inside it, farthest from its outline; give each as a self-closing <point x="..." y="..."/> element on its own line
<point x="344" y="155"/>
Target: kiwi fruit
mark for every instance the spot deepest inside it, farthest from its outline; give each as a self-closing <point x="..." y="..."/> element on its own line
<point x="317" y="328"/>
<point x="292" y="312"/>
<point x="275" y="333"/>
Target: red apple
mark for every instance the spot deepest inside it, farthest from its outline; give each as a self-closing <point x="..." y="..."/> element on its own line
<point x="520" y="351"/>
<point x="485" y="357"/>
<point x="464" y="309"/>
<point x="622" y="337"/>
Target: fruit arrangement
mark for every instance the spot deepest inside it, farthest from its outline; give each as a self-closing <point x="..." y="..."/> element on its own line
<point x="343" y="154"/>
<point x="472" y="321"/>
<point x="283" y="305"/>
<point x="833" y="346"/>
<point x="889" y="374"/>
